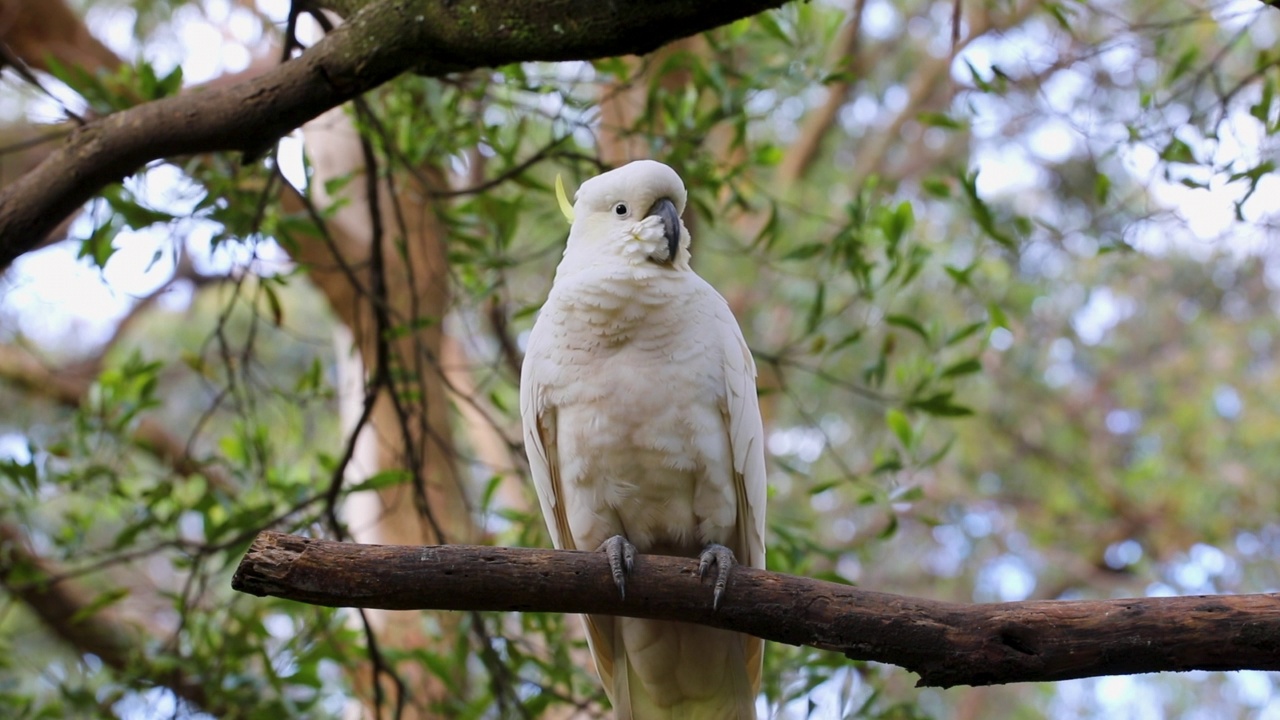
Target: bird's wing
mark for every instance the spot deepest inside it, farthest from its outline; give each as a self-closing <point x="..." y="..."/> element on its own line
<point x="540" y="430"/>
<point x="741" y="413"/>
<point x="540" y="446"/>
<point x="746" y="437"/>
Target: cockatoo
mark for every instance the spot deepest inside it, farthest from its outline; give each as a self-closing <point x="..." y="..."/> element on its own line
<point x="643" y="432"/>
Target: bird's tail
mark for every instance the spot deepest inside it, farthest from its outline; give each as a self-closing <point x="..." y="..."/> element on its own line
<point x="679" y="671"/>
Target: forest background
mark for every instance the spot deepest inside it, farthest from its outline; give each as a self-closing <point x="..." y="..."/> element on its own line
<point x="1008" y="269"/>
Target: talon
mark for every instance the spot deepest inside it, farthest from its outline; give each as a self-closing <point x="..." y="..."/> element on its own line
<point x="724" y="560"/>
<point x="622" y="559"/>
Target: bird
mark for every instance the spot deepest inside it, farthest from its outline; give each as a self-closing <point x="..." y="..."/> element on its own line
<point x="643" y="431"/>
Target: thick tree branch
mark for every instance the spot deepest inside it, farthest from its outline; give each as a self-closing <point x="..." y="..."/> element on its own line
<point x="379" y="42"/>
<point x="947" y="644"/>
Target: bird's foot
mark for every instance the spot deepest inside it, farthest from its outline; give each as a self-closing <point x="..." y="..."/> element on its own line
<point x="622" y="558"/>
<point x="724" y="561"/>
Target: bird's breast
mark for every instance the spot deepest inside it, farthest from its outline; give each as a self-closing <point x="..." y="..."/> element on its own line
<point x="638" y="389"/>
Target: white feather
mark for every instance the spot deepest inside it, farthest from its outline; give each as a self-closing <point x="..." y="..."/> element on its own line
<point x="641" y="419"/>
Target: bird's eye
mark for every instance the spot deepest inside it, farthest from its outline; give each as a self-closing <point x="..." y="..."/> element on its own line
<point x="621" y="210"/>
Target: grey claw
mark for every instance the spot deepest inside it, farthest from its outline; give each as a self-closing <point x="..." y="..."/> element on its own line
<point x="724" y="560"/>
<point x="622" y="559"/>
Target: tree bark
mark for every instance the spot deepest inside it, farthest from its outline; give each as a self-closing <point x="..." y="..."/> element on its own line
<point x="947" y="644"/>
<point x="379" y="42"/>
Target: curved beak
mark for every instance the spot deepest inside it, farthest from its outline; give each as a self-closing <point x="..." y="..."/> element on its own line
<point x="666" y="210"/>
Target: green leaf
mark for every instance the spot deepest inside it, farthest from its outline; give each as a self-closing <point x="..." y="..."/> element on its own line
<point x="107" y="598"/>
<point x="490" y="488"/>
<point x="1184" y="62"/>
<point x="806" y="251"/>
<point x="768" y="155"/>
<point x="846" y="341"/>
<point x="273" y="304"/>
<point x="908" y="323"/>
<point x="99" y="246"/>
<point x="982" y="214"/>
<point x="941" y="452"/>
<point x="1263" y="108"/>
<point x="170" y="84"/>
<point x="822" y="487"/>
<point x="940" y="120"/>
<point x="1101" y="187"/>
<point x="135" y="214"/>
<point x="900" y="425"/>
<point x="936" y="187"/>
<point x="961" y="275"/>
<point x="891" y="528"/>
<point x="22" y="474"/>
<point x="769" y="232"/>
<point x="964" y="367"/>
<point x="998" y="318"/>
<point x="1177" y="152"/>
<point x="941" y="405"/>
<point x="887" y="461"/>
<point x="381" y="480"/>
<point x="1060" y="14"/>
<point x="816" y="309"/>
<point x="130" y="533"/>
<point x="912" y="493"/>
<point x="771" y="27"/>
<point x="898" y="222"/>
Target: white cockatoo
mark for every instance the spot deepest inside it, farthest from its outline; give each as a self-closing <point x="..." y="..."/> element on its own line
<point x="643" y="432"/>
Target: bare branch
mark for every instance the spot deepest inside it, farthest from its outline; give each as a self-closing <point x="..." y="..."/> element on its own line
<point x="947" y="644"/>
<point x="378" y="43"/>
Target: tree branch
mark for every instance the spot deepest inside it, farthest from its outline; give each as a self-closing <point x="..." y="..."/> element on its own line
<point x="947" y="644"/>
<point x="379" y="42"/>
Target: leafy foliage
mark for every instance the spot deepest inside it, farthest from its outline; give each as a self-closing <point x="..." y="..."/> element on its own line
<point x="1000" y="354"/>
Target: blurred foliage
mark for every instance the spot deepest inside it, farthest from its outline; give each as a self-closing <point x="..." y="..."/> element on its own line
<point x="1016" y="326"/>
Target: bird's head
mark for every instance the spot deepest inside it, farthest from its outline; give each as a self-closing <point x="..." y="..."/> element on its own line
<point x="631" y="213"/>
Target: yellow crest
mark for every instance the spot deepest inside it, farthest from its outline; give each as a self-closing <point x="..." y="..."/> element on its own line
<point x="566" y="207"/>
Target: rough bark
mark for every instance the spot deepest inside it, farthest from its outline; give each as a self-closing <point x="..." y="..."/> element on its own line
<point x="33" y="33"/>
<point x="376" y="44"/>
<point x="947" y="644"/>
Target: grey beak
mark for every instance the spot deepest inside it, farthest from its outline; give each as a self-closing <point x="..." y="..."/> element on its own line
<point x="666" y="210"/>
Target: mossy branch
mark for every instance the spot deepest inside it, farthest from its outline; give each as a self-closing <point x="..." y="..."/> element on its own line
<point x="383" y="39"/>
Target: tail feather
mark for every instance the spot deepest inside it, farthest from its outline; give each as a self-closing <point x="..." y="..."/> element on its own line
<point x="656" y="670"/>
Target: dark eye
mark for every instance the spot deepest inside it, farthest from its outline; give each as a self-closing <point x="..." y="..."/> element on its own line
<point x="621" y="210"/>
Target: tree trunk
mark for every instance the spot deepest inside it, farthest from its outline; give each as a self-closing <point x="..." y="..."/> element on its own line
<point x="409" y="430"/>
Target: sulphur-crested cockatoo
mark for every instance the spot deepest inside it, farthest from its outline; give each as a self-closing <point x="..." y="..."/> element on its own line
<point x="643" y="432"/>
